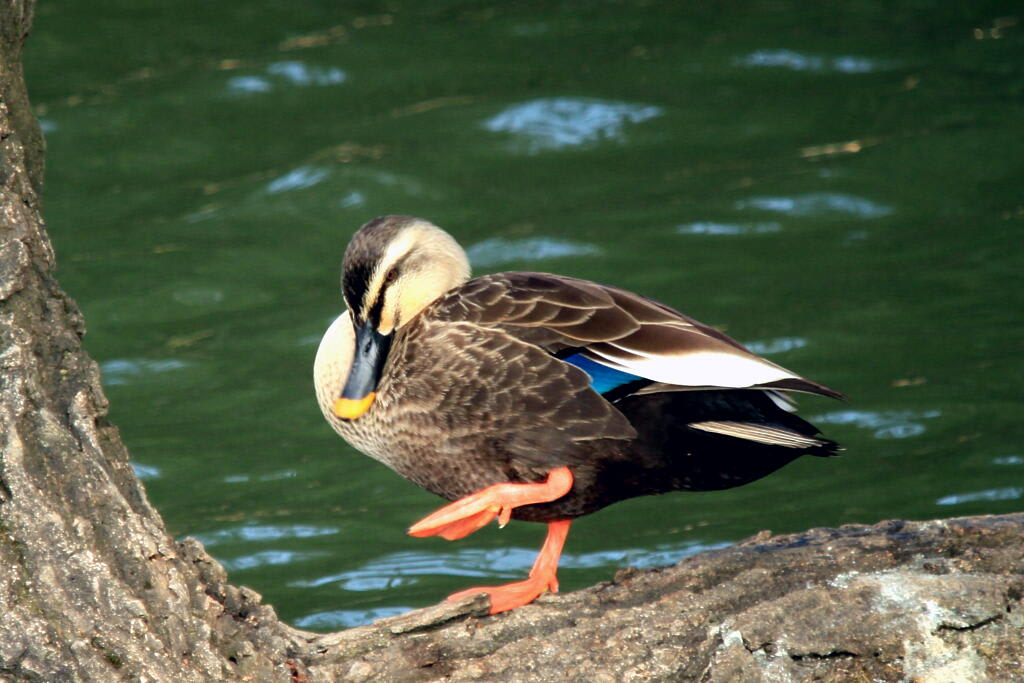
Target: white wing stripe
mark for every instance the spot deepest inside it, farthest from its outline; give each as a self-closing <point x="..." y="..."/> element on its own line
<point x="765" y="434"/>
<point x="701" y="369"/>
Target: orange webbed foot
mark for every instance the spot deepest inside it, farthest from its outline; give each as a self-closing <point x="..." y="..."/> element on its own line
<point x="509" y="596"/>
<point x="468" y="514"/>
<point x="542" y="576"/>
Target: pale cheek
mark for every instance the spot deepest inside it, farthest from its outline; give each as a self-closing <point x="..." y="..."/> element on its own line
<point x="410" y="295"/>
<point x="417" y="292"/>
<point x="387" y="316"/>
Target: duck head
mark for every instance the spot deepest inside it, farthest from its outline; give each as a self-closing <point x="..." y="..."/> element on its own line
<point x="394" y="267"/>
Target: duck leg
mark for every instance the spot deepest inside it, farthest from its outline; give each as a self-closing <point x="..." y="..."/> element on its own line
<point x="468" y="514"/>
<point x="542" y="576"/>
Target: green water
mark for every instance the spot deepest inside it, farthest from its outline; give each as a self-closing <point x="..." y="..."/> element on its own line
<point x="840" y="187"/>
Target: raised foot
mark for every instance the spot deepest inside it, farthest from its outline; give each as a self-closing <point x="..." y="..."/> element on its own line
<point x="542" y="576"/>
<point x="468" y="514"/>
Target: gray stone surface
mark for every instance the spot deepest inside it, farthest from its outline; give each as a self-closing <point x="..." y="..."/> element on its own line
<point x="917" y="601"/>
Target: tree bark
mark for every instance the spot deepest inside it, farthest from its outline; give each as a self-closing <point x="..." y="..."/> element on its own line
<point x="92" y="587"/>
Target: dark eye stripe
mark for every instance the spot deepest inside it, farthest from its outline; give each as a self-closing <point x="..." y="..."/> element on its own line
<point x="363" y="256"/>
<point x="354" y="282"/>
<point x="373" y="315"/>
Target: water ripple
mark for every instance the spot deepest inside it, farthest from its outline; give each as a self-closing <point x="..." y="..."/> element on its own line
<point x="557" y="122"/>
<point x="1008" y="493"/>
<point x="659" y="556"/>
<point x="798" y="61"/>
<point x="407" y="184"/>
<point x="198" y="295"/>
<point x="712" y="228"/>
<point x="127" y="370"/>
<point x="145" y="471"/>
<point x="298" y="179"/>
<point x="272" y="476"/>
<point x="402" y="568"/>
<point x="301" y="73"/>
<point x="777" y="345"/>
<point x="498" y="250"/>
<point x="266" y="558"/>
<point x="397" y="568"/>
<point x="294" y="72"/>
<point x="352" y="200"/>
<point x="249" y="84"/>
<point x="266" y="532"/>
<point x="893" y="424"/>
<point x="347" y="618"/>
<point x="819" y="204"/>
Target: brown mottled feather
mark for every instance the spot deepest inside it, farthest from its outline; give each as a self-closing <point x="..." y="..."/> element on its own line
<point x="508" y="410"/>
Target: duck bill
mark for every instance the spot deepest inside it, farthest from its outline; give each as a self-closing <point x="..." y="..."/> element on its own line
<point x="371" y="352"/>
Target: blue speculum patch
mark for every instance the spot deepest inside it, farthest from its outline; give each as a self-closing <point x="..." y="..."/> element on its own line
<point x="602" y="377"/>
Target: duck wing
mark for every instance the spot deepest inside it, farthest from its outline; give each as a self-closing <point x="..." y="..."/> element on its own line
<point x="624" y="341"/>
<point x="493" y="393"/>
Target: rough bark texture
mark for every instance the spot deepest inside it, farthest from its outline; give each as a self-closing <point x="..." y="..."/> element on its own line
<point x="92" y="588"/>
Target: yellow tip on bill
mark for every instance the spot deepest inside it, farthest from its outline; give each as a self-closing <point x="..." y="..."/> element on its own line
<point x="351" y="408"/>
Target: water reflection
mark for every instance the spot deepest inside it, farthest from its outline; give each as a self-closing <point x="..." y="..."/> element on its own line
<point x="798" y="61"/>
<point x="498" y="250"/>
<point x="557" y="122"/>
<point x="819" y="204"/>
<point x="1008" y="460"/>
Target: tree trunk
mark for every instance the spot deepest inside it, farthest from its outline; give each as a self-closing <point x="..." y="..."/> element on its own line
<point x="92" y="587"/>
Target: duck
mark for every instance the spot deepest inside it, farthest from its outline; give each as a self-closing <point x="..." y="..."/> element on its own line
<point x="540" y="397"/>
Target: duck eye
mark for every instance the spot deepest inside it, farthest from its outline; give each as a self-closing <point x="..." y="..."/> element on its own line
<point x="391" y="276"/>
